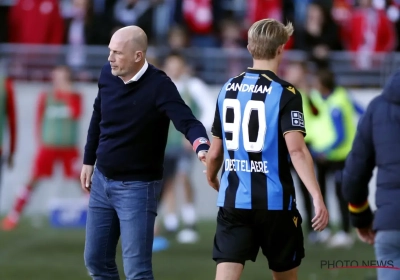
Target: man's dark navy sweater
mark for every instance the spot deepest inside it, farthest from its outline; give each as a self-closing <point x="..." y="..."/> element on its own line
<point x="376" y="145"/>
<point x="129" y="126"/>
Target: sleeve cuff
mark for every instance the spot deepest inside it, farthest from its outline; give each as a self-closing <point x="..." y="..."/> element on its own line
<point x="361" y="215"/>
<point x="358" y="208"/>
<point x="201" y="144"/>
<point x="89" y="159"/>
<point x="294" y="130"/>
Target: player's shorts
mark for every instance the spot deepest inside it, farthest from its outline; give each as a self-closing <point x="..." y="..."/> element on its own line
<point x="170" y="168"/>
<point x="185" y="162"/>
<point x="240" y="234"/>
<point x="47" y="157"/>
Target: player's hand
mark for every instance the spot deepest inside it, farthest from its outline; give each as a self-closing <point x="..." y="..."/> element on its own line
<point x="321" y="219"/>
<point x="10" y="161"/>
<point x="202" y="155"/>
<point x="366" y="235"/>
<point x="214" y="183"/>
<point x="86" y="177"/>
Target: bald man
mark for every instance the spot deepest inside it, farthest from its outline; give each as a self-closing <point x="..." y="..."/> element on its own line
<point x="126" y="139"/>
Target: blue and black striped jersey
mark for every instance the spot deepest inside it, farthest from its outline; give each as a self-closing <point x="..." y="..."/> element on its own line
<point x="254" y="110"/>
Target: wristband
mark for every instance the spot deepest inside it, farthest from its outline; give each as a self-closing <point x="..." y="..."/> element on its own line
<point x="200" y="141"/>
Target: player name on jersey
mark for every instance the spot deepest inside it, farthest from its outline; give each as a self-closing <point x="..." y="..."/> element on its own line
<point x="246" y="166"/>
<point x="249" y="88"/>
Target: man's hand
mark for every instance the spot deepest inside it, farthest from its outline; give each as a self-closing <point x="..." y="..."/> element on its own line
<point x="202" y="155"/>
<point x="214" y="183"/>
<point x="321" y="219"/>
<point x="86" y="177"/>
<point x="366" y="235"/>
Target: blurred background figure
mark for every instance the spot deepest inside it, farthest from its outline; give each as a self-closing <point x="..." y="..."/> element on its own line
<point x="319" y="35"/>
<point x="178" y="39"/>
<point x="336" y="129"/>
<point x="370" y="31"/>
<point x="43" y="15"/>
<point x="58" y="113"/>
<point x="299" y="76"/>
<point x="84" y="27"/>
<point x="179" y="160"/>
<point x="376" y="145"/>
<point x="7" y="120"/>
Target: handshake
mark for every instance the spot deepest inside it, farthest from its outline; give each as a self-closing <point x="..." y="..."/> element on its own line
<point x="212" y="179"/>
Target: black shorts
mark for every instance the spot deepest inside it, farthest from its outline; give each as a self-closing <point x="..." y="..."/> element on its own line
<point x="241" y="232"/>
<point x="170" y="168"/>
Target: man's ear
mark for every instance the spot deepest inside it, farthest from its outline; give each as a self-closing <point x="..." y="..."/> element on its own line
<point x="139" y="56"/>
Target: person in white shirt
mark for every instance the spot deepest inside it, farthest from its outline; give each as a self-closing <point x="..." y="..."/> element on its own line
<point x="178" y="159"/>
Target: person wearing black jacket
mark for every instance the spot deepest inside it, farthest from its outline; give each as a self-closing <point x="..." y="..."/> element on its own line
<point x="377" y="145"/>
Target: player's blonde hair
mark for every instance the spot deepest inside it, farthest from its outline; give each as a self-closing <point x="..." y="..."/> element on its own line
<point x="265" y="36"/>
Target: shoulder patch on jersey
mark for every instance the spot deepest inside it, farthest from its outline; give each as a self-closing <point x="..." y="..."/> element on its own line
<point x="265" y="76"/>
<point x="291" y="89"/>
<point x="297" y="119"/>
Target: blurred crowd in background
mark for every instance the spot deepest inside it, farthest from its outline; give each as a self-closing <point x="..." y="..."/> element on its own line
<point x="321" y="26"/>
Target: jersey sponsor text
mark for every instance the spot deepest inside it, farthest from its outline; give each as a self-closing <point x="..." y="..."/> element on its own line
<point x="249" y="88"/>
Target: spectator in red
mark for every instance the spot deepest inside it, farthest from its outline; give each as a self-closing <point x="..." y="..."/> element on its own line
<point x="371" y="32"/>
<point x="341" y="13"/>
<point x="201" y="19"/>
<point x="36" y="22"/>
<point x="275" y="9"/>
<point x="260" y="9"/>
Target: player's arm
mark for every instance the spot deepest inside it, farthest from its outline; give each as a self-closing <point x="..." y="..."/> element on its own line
<point x="293" y="129"/>
<point x="11" y="114"/>
<point x="302" y="162"/>
<point x="357" y="173"/>
<point x="215" y="155"/>
<point x="170" y="102"/>
<point x="75" y="107"/>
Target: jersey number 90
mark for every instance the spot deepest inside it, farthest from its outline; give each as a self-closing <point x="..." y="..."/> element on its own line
<point x="238" y="122"/>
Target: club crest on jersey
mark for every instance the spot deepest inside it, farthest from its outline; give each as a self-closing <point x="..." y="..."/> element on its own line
<point x="249" y="88"/>
<point x="297" y="119"/>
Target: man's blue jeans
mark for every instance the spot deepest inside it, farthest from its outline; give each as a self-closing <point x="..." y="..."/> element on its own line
<point x="387" y="248"/>
<point x="126" y="209"/>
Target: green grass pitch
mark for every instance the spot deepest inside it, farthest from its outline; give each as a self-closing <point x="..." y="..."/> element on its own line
<point x="32" y="253"/>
